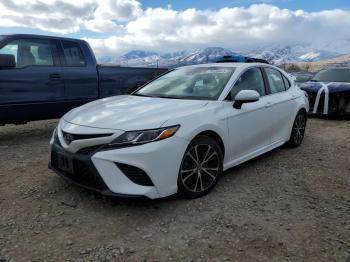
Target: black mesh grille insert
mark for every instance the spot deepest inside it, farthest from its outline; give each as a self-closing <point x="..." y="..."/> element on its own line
<point x="83" y="173"/>
<point x="89" y="150"/>
<point x="135" y="174"/>
<point x="312" y="100"/>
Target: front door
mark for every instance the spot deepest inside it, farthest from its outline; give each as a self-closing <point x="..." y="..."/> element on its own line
<point x="38" y="75"/>
<point x="250" y="126"/>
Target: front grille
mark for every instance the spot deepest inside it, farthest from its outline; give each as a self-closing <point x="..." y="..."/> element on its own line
<point x="83" y="173"/>
<point x="337" y="102"/>
<point x="89" y="150"/>
<point x="69" y="137"/>
<point x="312" y="100"/>
<point x="135" y="174"/>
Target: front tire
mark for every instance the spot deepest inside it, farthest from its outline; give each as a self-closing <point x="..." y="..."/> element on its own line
<point x="298" y="130"/>
<point x="201" y="167"/>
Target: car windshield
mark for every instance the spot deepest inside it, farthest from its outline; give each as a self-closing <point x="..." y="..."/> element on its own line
<point x="189" y="83"/>
<point x="332" y="75"/>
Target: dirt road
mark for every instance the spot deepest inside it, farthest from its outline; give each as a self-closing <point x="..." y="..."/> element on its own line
<point x="287" y="205"/>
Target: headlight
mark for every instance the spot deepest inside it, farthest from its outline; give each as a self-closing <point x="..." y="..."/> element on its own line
<point x="144" y="136"/>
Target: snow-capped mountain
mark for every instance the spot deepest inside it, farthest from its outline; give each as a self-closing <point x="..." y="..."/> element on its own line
<point x="287" y="54"/>
<point x="276" y="55"/>
<point x="185" y="57"/>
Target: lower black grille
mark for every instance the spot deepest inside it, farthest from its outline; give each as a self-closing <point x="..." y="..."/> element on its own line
<point x="83" y="173"/>
<point x="312" y="99"/>
<point x="89" y="150"/>
<point x="135" y="174"/>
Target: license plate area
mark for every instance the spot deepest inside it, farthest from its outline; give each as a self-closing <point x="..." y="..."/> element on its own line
<point x="64" y="162"/>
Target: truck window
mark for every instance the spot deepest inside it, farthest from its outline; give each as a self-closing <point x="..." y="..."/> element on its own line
<point x="73" y="54"/>
<point x="29" y="52"/>
<point x="10" y="49"/>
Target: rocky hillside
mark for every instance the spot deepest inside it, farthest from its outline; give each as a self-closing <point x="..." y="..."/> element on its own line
<point x="316" y="66"/>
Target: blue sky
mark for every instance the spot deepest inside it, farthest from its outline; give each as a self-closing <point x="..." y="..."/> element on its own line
<point x="307" y="5"/>
<point x="114" y="27"/>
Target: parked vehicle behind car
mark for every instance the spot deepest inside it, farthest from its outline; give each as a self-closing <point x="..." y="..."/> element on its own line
<point x="181" y="131"/>
<point x="301" y="77"/>
<point x="43" y="77"/>
<point x="329" y="92"/>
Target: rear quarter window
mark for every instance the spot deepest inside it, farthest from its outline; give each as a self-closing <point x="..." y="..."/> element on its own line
<point x="275" y="80"/>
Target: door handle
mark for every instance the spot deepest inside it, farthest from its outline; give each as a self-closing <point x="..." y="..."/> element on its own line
<point x="55" y="76"/>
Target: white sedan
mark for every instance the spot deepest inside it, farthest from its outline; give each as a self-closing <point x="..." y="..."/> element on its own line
<point x="181" y="131"/>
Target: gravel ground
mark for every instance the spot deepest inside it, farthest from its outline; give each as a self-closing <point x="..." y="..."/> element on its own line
<point x="287" y="205"/>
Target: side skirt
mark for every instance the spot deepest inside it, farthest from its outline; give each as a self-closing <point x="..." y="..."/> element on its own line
<point x="254" y="154"/>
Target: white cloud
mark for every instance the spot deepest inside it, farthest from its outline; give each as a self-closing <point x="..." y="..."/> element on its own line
<point x="66" y="16"/>
<point x="128" y="26"/>
<point x="118" y="9"/>
<point x="234" y="28"/>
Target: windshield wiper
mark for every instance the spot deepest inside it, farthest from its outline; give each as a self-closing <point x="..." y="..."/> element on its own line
<point x="142" y="95"/>
<point x="170" y="97"/>
<point x="313" y="80"/>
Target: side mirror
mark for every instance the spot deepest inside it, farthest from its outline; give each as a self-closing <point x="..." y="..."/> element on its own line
<point x="245" y="96"/>
<point x="7" y="61"/>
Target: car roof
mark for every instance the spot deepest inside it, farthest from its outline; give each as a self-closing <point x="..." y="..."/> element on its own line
<point x="39" y="36"/>
<point x="229" y="64"/>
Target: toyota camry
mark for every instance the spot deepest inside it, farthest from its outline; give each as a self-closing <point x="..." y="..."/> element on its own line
<point x="178" y="133"/>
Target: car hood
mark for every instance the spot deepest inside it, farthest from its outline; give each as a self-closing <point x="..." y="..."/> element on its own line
<point x="131" y="112"/>
<point x="333" y="87"/>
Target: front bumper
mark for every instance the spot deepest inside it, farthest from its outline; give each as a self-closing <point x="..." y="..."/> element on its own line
<point x="84" y="175"/>
<point x="98" y="169"/>
<point x="338" y="103"/>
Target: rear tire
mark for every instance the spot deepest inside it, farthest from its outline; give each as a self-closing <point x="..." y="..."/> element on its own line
<point x="298" y="130"/>
<point x="201" y="167"/>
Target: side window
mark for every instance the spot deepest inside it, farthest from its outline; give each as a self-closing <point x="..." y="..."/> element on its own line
<point x="286" y="82"/>
<point x="251" y="79"/>
<point x="73" y="54"/>
<point x="10" y="49"/>
<point x="30" y="52"/>
<point x="275" y="80"/>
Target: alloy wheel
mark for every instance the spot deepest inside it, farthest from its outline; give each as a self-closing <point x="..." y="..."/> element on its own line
<point x="200" y="168"/>
<point x="299" y="128"/>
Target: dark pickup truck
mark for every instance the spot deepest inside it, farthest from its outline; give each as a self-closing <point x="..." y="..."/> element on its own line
<point x="43" y="77"/>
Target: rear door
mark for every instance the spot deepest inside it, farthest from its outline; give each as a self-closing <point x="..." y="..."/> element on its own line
<point x="280" y="102"/>
<point x="80" y="72"/>
<point x="37" y="77"/>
